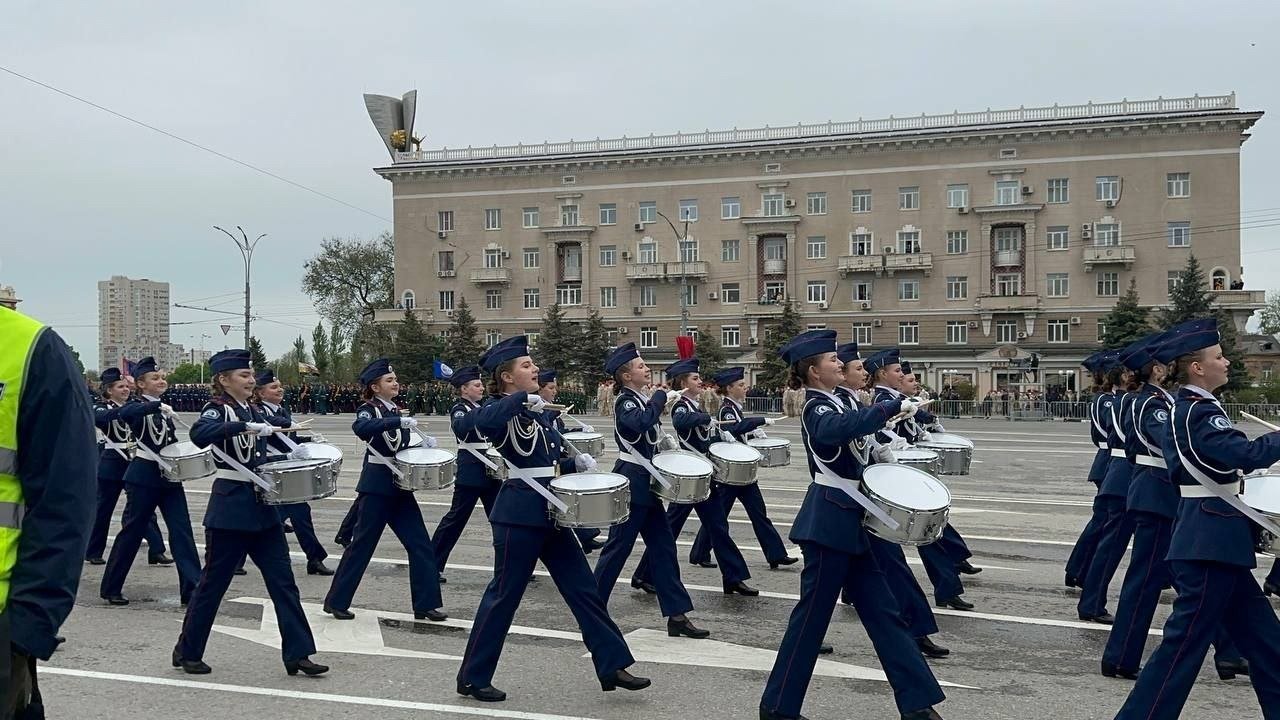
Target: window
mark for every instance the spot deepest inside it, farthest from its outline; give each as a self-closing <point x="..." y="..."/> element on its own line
<point x="1172" y="279"/>
<point x="648" y="337"/>
<point x="730" y="250"/>
<point x="1107" y="187"/>
<point x="815" y="203"/>
<point x="1179" y="234"/>
<point x="862" y="201"/>
<point x="446" y="299"/>
<point x="909" y="198"/>
<point x="608" y="297"/>
<point x="862" y="333"/>
<point x="1059" y="331"/>
<point x="407" y="300"/>
<point x="862" y="291"/>
<point x="1102" y="329"/>
<point x="608" y="255"/>
<point x="730" y="293"/>
<point x="957" y="287"/>
<point x="1268" y="371"/>
<point x="1058" y="190"/>
<point x="608" y="213"/>
<point x="772" y="204"/>
<point x="909" y="333"/>
<point x="689" y="250"/>
<point x="1056" y="237"/>
<point x="648" y="296"/>
<point x="815" y="326"/>
<point x="690" y="293"/>
<point x="957" y="196"/>
<point x="775" y="249"/>
<point x="908" y="289"/>
<point x="492" y="337"/>
<point x="957" y="332"/>
<point x="493" y="219"/>
<point x="444" y="261"/>
<point x="730" y="336"/>
<point x="1218" y="279"/>
<point x="1108" y="284"/>
<point x="817" y="248"/>
<point x="493" y="299"/>
<point x="1058" y="284"/>
<point x="648" y="212"/>
<point x="774" y="291"/>
<point x="531" y="257"/>
<point x="730" y="208"/>
<point x="817" y="291"/>
<point x="493" y="258"/>
<point x="569" y="294"/>
<point x="532" y="301"/>
<point x="529" y="217"/>
<point x="531" y="337"/>
<point x="860" y="244"/>
<point x="1008" y="239"/>
<point x="1008" y="284"/>
<point x="957" y="242"/>
<point x="909" y="241"/>
<point x="1105" y="234"/>
<point x="689" y="210"/>
<point x="444" y="220"/>
<point x="1178" y="185"/>
<point x="1006" y="331"/>
<point x="1008" y="192"/>
<point x="648" y="251"/>
<point x="569" y="216"/>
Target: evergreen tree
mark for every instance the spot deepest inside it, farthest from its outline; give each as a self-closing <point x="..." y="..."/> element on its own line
<point x="257" y="357"/>
<point x="1127" y="320"/>
<point x="464" y="346"/>
<point x="773" y="375"/>
<point x="557" y="343"/>
<point x="1237" y="374"/>
<point x="1190" y="298"/>
<point x="339" y="358"/>
<point x="710" y="354"/>
<point x="591" y="350"/>
<point x="320" y="350"/>
<point x="300" y="349"/>
<point x="411" y="352"/>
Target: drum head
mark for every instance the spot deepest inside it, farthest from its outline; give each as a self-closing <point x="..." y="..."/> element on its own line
<point x="587" y="481"/>
<point x="734" y="452"/>
<point x="682" y="463"/>
<point x="323" y="450"/>
<point x="915" y="455"/>
<point x="181" y="449"/>
<point x="281" y="465"/>
<point x="907" y="486"/>
<point x="580" y="435"/>
<point x="1262" y="493"/>
<point x="768" y="442"/>
<point x="425" y="456"/>
<point x="950" y="439"/>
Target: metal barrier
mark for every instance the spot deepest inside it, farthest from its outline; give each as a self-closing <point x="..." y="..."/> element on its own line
<point x="763" y="405"/>
<point x="1012" y="409"/>
<point x="1268" y="411"/>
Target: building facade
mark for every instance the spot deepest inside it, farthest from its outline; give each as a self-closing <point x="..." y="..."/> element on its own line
<point x="133" y="322"/>
<point x="972" y="241"/>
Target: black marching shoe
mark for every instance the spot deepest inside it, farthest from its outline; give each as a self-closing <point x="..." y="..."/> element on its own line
<point x="930" y="649"/>
<point x="58" y="640"/>
<point x="339" y="614"/>
<point x="926" y="714"/>
<point x="159" y="559"/>
<point x="116" y="599"/>
<point x="287" y="527"/>
<point x="788" y="560"/>
<point x="442" y="579"/>
<point x="1229" y="669"/>
<point x="241" y="571"/>
<point x="1112" y="671"/>
<point x="775" y="715"/>
<point x="625" y="680"/>
<point x="318" y="568"/>
<point x="484" y="694"/>
<point x="190" y="667"/>
<point x="740" y="588"/>
<point x="644" y="585"/>
<point x="709" y="564"/>
<point x="432" y="615"/>
<point x="95" y="561"/>
<point x="1105" y="618"/>
<point x="1268" y="588"/>
<point x="825" y="649"/>
<point x="306" y="666"/>
<point x="967" y="568"/>
<point x="676" y="628"/>
<point x="956" y="603"/>
<point x="343" y="541"/>
<point x="1072" y="581"/>
<point x="591" y="545"/>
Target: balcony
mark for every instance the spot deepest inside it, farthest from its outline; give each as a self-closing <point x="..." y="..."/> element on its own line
<point x="1240" y="299"/>
<point x="488" y="276"/>
<point x="762" y="310"/>
<point x="388" y="316"/>
<point x="690" y="268"/>
<point x="860" y="263"/>
<point x="1008" y="303"/>
<point x="1108" y="255"/>
<point x="908" y="261"/>
<point x="646" y="271"/>
<point x="571" y="274"/>
<point x="775" y="267"/>
<point x="1006" y="258"/>
<point x="667" y="271"/>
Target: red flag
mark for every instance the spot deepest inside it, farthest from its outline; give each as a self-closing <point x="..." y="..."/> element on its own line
<point x="684" y="347"/>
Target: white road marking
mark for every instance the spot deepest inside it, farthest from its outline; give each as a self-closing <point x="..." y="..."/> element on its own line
<point x="795" y="551"/>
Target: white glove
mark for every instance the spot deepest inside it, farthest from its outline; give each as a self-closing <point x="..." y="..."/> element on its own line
<point x="899" y="443"/>
<point x="535" y="403"/>
<point x="167" y="409"/>
<point x="408" y="422"/>
<point x="757" y="433"/>
<point x="910" y="407"/>
<point x="584" y="463"/>
<point x="587" y="429"/>
<point x="429" y="442"/>
<point x="261" y="429"/>
<point x="769" y="421"/>
<point x="937" y="427"/>
<point x="301" y="453"/>
<point x="884" y="454"/>
<point x="923" y="435"/>
<point x="726" y="437"/>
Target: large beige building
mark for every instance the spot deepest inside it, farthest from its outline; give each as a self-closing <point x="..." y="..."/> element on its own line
<point x="970" y="240"/>
<point x="133" y="322"/>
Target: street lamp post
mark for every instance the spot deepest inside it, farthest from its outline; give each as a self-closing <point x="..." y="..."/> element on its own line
<point x="246" y="251"/>
<point x="681" y="239"/>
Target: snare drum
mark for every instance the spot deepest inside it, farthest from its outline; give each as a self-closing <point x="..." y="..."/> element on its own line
<point x="688" y="473"/>
<point x="956" y="452"/>
<point x="774" y="452"/>
<point x="1262" y="493"/>
<point x="499" y="470"/>
<point x="591" y="443"/>
<point x="425" y="469"/>
<point x="325" y="451"/>
<point x="734" y="463"/>
<point x="595" y="499"/>
<point x="297" y="481"/>
<point x="909" y="495"/>
<point x="187" y="461"/>
<point x="927" y="460"/>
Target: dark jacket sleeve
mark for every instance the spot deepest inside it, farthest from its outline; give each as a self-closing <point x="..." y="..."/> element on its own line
<point x="134" y="410"/>
<point x="367" y="425"/>
<point x="103" y="415"/>
<point x="212" y="427"/>
<point x="638" y="420"/>
<point x="839" y="428"/>
<point x="56" y="467"/>
<point x="493" y="415"/>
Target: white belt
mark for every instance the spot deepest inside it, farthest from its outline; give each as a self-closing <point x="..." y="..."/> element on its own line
<point x="478" y="449"/>
<point x="146" y="453"/>
<point x="1117" y="452"/>
<point x="382" y="460"/>
<point x="530" y="477"/>
<point x="120" y="448"/>
<point x="1102" y="446"/>
<point x="1152" y="461"/>
<point x="223" y="474"/>
<point x="1199" y="491"/>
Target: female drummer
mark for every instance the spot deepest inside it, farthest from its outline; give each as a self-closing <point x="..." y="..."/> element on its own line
<point x="696" y="434"/>
<point x="147" y="489"/>
<point x="472" y="481"/>
<point x="1212" y="551"/>
<point x="380" y="502"/>
<point x="548" y="389"/>
<point x="731" y="385"/>
<point x="523" y="533"/>
<point x="238" y="523"/>
<point x="837" y="550"/>
<point x="1098" y="365"/>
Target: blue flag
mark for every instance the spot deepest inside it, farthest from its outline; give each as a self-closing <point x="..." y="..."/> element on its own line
<point x="441" y="371"/>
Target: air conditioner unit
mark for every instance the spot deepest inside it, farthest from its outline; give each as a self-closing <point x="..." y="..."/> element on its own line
<point x="890" y="250"/>
<point x="1086" y="234"/>
<point x="973" y="324"/>
<point x="622" y="329"/>
<point x="1022" y="336"/>
<point x="446" y="273"/>
<point x="442" y="235"/>
<point x="1075" y="319"/>
<point x="789" y="203"/>
<point x="713" y="295"/>
<point x="963" y="210"/>
<point x="448" y="313"/>
<point x="635" y="309"/>
<point x="866" y="304"/>
<point x="752" y="340"/>
<point x="1111" y="203"/>
<point x="506" y="254"/>
<point x="877" y="323"/>
<point x="1086" y="227"/>
<point x="1027" y="189"/>
<point x="639" y="227"/>
<point x="823" y="305"/>
<point x="626" y="254"/>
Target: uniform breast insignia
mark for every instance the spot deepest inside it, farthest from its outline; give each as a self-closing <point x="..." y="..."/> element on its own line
<point x="365" y="415"/>
<point x="1162" y="416"/>
<point x="823" y="409"/>
<point x="629" y="405"/>
<point x="460" y="414"/>
<point x="1222" y="422"/>
<point x="1106" y="403"/>
<point x="210" y="413"/>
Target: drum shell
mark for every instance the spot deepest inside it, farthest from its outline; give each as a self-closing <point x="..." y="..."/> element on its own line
<point x="955" y="458"/>
<point x="297" y="481"/>
<point x="931" y="464"/>
<point x="1265" y="541"/>
<point x="499" y="470"/>
<point x="686" y="489"/>
<point x="773" y="455"/>
<point x="589" y="443"/>
<point x="915" y="526"/>
<point x="730" y="471"/>
<point x="595" y="508"/>
<point x="189" y="466"/>
<point x="424" y="476"/>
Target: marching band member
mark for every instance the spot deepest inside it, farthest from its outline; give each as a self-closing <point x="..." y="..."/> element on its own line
<point x="1099" y="365"/>
<point x="471" y="482"/>
<point x="237" y="522"/>
<point x="112" y="464"/>
<point x="696" y="434"/>
<point x="380" y="502"/>
<point x="548" y="388"/>
<point x="270" y="395"/>
<point x="731" y="385"/>
<point x="837" y="552"/>
<point x="524" y="533"/>
<point x="637" y="428"/>
<point x="1211" y="553"/>
<point x="147" y="490"/>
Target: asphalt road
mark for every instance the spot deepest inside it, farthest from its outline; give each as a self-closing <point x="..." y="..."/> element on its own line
<point x="1021" y="653"/>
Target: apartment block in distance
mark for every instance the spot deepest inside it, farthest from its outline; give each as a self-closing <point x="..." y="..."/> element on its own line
<point x="133" y="322"/>
<point x="974" y="241"/>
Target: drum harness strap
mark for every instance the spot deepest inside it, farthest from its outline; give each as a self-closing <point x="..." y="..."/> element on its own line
<point x="1093" y="418"/>
<point x="1118" y="426"/>
<point x="239" y="472"/>
<point x="828" y="478"/>
<point x="630" y="455"/>
<point x="118" y="447"/>
<point x="530" y="475"/>
<point x="1215" y="489"/>
<point x="1156" y="458"/>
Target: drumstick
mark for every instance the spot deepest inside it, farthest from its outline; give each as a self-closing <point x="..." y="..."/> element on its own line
<point x="902" y="415"/>
<point x="550" y="406"/>
<point x="1260" y="421"/>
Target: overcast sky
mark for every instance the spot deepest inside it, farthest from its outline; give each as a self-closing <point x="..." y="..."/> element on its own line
<point x="84" y="195"/>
